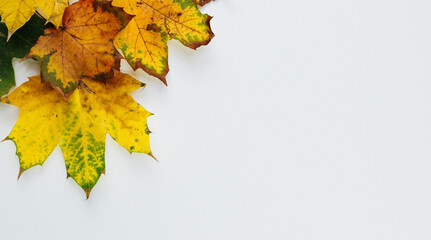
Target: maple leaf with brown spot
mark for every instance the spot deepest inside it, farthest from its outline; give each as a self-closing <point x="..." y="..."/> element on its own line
<point x="144" y="40"/>
<point x="83" y="47"/>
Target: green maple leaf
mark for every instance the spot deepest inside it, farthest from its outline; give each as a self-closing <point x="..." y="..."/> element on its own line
<point x="17" y="47"/>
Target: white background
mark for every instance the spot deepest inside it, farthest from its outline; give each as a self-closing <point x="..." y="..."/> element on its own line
<point x="301" y="120"/>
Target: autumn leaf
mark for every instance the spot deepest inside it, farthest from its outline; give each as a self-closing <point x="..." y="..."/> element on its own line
<point x="82" y="47"/>
<point x="143" y="41"/>
<point x="17" y="47"/>
<point x="15" y="13"/>
<point x="78" y="125"/>
<point x="52" y="10"/>
<point x="201" y="2"/>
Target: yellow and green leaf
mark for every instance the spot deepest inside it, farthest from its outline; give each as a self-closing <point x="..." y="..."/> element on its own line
<point x="143" y="41"/>
<point x="78" y="125"/>
<point x="39" y="125"/>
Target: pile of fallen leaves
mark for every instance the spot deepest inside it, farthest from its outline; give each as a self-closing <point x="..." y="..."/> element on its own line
<point x="81" y="95"/>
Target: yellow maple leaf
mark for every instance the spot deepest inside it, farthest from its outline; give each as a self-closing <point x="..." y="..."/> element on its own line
<point x="53" y="11"/>
<point x="79" y="125"/>
<point x="15" y="13"/>
<point x="143" y="41"/>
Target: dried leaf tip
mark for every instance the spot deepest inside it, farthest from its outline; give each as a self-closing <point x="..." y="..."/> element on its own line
<point x="151" y="155"/>
<point x="21" y="171"/>
<point x="87" y="193"/>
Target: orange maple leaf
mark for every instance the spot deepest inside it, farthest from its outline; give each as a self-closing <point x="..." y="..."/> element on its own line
<point x="83" y="47"/>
